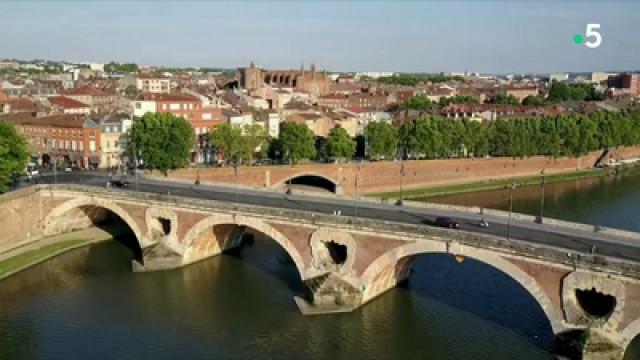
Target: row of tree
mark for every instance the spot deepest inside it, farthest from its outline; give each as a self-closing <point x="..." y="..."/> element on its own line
<point x="415" y="79"/>
<point x="562" y="135"/>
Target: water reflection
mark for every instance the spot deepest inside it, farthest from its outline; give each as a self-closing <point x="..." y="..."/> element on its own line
<point x="610" y="201"/>
<point x="87" y="304"/>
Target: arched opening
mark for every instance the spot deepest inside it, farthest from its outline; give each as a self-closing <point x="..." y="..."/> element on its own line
<point x="252" y="253"/>
<point x="633" y="350"/>
<point x="595" y="303"/>
<point x="337" y="252"/>
<point x="466" y="292"/>
<point x="66" y="219"/>
<point x="310" y="183"/>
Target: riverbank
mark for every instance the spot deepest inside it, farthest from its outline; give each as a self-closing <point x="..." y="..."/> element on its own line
<point x="20" y="258"/>
<point x="503" y="183"/>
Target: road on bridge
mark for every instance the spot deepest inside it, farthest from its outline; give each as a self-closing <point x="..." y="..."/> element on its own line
<point x="571" y="240"/>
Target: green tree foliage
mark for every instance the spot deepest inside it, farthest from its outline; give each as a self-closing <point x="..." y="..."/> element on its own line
<point x="561" y="135"/>
<point x="414" y="79"/>
<point x="296" y="142"/>
<point x="382" y="140"/>
<point x="254" y="139"/>
<point x="237" y="144"/>
<point x="14" y="155"/>
<point x="502" y="98"/>
<point x="118" y="67"/>
<point x="533" y="101"/>
<point x="561" y="91"/>
<point x="419" y="102"/>
<point x="162" y="140"/>
<point x="227" y="140"/>
<point x="339" y="144"/>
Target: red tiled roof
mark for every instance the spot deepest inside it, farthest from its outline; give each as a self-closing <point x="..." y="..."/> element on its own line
<point x="67" y="103"/>
<point x="87" y="90"/>
<point x="166" y="97"/>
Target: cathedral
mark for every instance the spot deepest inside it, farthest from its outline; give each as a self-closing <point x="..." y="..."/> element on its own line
<point x="314" y="82"/>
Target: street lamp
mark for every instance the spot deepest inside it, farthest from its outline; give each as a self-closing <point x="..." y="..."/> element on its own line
<point x="355" y="199"/>
<point x="512" y="188"/>
<point x="542" y="182"/>
<point x="401" y="199"/>
<point x="235" y="167"/>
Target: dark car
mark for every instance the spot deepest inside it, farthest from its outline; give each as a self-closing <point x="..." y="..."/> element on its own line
<point x="120" y="183"/>
<point x="447" y="223"/>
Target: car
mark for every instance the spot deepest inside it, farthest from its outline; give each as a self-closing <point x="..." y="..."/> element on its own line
<point x="447" y="222"/>
<point x="120" y="183"/>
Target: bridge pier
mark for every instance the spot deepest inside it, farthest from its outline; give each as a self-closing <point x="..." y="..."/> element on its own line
<point x="588" y="344"/>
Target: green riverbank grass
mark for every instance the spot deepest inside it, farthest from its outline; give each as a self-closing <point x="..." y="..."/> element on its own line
<point x="490" y="184"/>
<point x="35" y="256"/>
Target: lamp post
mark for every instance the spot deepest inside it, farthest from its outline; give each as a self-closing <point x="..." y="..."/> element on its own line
<point x="135" y="159"/>
<point x="355" y="199"/>
<point x="540" y="215"/>
<point x="236" y="165"/>
<point x="512" y="188"/>
<point x="401" y="199"/>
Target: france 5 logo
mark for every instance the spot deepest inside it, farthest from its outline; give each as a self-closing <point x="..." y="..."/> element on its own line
<point x="591" y="38"/>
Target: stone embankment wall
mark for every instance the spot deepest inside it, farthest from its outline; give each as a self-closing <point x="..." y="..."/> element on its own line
<point x="20" y="218"/>
<point x="385" y="176"/>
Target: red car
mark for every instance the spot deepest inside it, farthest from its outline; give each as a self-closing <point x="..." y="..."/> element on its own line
<point x="447" y="223"/>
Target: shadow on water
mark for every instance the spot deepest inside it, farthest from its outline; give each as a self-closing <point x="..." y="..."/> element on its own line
<point x="262" y="252"/>
<point x="482" y="291"/>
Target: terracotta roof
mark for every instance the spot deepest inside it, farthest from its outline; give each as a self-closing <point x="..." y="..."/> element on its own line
<point x="67" y="103"/>
<point x="20" y="104"/>
<point x="166" y="97"/>
<point x="87" y="90"/>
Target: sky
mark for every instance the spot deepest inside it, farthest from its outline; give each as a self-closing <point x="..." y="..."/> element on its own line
<point x="502" y="36"/>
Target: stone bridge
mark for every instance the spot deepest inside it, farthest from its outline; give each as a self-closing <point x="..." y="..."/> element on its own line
<point x="348" y="262"/>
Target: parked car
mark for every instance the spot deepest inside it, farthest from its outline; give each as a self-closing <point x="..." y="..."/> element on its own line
<point x="447" y="222"/>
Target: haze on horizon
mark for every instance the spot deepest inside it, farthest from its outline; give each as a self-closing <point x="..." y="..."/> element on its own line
<point x="430" y="36"/>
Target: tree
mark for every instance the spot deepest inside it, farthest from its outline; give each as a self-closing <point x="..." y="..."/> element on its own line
<point x="296" y="142"/>
<point x="162" y="141"/>
<point x="253" y="139"/>
<point x="502" y="98"/>
<point x="339" y="144"/>
<point x="533" y="101"/>
<point x="14" y="155"/>
<point x="381" y="140"/>
<point x="227" y="139"/>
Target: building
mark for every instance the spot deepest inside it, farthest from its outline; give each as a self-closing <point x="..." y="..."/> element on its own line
<point x="374" y="74"/>
<point x="625" y="84"/>
<point x="521" y="92"/>
<point x="98" y="100"/>
<point x="312" y="81"/>
<point x="153" y="84"/>
<point x="112" y="142"/>
<point x="490" y="112"/>
<point x="189" y="107"/>
<point x="74" y="139"/>
<point x="65" y="105"/>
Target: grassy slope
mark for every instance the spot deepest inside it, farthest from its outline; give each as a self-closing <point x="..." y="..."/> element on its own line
<point x="36" y="255"/>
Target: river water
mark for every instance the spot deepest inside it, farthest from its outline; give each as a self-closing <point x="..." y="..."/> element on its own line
<point x="88" y="304"/>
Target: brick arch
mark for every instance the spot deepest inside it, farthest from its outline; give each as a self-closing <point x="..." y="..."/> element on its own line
<point x="529" y="283"/>
<point x="253" y="223"/>
<point x="80" y="202"/>
<point x="336" y="186"/>
<point x="629" y="334"/>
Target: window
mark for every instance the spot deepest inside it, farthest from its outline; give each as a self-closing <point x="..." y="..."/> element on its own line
<point x="206" y="116"/>
<point x="92" y="145"/>
<point x="81" y="147"/>
<point x="138" y="105"/>
<point x="92" y="133"/>
<point x="108" y="144"/>
<point x="174" y="107"/>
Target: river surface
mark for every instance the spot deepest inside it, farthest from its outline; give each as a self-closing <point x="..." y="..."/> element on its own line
<point x="87" y="304"/>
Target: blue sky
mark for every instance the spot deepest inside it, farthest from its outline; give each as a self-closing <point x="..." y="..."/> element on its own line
<point x="422" y="36"/>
